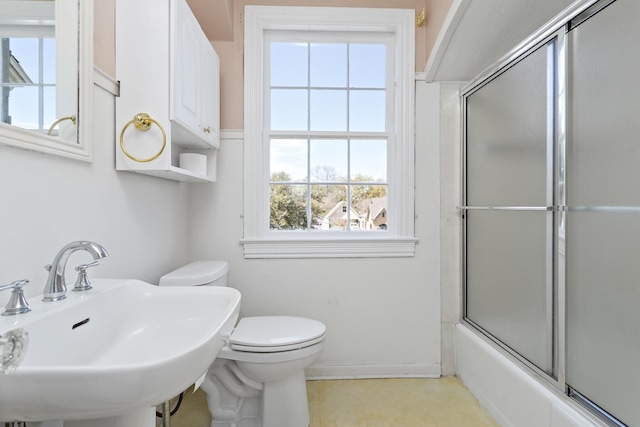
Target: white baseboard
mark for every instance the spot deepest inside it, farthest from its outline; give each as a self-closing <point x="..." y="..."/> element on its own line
<point x="413" y="370"/>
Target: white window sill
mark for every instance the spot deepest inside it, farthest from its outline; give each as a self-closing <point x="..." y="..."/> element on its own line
<point x="330" y="247"/>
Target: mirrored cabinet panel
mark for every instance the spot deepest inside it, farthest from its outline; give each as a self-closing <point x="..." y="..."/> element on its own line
<point x="46" y="63"/>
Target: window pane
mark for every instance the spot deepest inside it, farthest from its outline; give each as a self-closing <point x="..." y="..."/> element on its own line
<point x="328" y="160"/>
<point x="49" y="61"/>
<point x="23" y="107"/>
<point x="329" y="110"/>
<point x="367" y="110"/>
<point x="369" y="160"/>
<point x="329" y="64"/>
<point x="288" y="206"/>
<point x="367" y="66"/>
<point x="288" y="160"/>
<point x="369" y="207"/>
<point x="327" y="202"/>
<point x="329" y="207"/>
<point x="25" y="51"/>
<point x="289" y="109"/>
<point x="380" y="215"/>
<point x="289" y="64"/>
<point x="358" y="214"/>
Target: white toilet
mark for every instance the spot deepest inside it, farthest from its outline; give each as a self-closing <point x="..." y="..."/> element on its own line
<point x="258" y="379"/>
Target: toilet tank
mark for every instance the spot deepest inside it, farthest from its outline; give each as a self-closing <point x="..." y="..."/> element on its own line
<point x="198" y="273"/>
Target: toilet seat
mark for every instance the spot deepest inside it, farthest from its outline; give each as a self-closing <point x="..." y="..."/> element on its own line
<point x="269" y="334"/>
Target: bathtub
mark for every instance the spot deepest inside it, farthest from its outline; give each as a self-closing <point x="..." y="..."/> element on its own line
<point x="512" y="394"/>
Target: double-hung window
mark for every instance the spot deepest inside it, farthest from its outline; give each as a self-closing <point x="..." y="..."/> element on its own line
<point x="328" y="132"/>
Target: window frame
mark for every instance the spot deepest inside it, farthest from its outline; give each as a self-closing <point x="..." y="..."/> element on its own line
<point x="399" y="240"/>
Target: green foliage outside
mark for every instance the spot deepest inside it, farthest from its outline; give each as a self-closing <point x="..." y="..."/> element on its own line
<point x="288" y="201"/>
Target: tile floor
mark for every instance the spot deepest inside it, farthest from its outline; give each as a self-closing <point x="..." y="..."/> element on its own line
<point x="443" y="402"/>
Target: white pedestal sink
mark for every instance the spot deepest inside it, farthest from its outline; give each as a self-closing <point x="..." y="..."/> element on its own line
<point x="114" y="351"/>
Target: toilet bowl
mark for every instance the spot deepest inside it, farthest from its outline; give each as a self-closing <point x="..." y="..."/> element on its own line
<point x="257" y="379"/>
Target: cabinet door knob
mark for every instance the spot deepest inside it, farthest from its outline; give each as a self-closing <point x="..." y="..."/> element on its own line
<point x="207" y="129"/>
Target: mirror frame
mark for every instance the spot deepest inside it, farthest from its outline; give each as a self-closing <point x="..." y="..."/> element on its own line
<point x="13" y="136"/>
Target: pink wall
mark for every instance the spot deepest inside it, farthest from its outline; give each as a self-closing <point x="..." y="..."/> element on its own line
<point x="104" y="37"/>
<point x="231" y="52"/>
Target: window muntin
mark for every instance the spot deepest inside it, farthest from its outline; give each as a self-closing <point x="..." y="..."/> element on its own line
<point x="328" y="109"/>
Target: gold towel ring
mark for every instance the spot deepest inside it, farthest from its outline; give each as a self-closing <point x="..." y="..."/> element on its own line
<point x="62" y="119"/>
<point x="143" y="122"/>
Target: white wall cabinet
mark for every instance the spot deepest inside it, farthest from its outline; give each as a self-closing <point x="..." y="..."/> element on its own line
<point x="194" y="77"/>
<point x="172" y="74"/>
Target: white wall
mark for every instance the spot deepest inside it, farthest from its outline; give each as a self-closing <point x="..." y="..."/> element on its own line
<point x="48" y="201"/>
<point x="382" y="314"/>
<point x="448" y="109"/>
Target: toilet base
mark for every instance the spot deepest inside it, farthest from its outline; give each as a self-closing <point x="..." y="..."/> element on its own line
<point x="232" y="403"/>
<point x="284" y="402"/>
<point x="251" y="405"/>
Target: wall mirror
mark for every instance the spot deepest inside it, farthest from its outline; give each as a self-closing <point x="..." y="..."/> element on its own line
<point x="46" y="65"/>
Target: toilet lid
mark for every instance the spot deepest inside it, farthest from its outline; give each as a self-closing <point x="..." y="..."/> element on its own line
<point x="275" y="333"/>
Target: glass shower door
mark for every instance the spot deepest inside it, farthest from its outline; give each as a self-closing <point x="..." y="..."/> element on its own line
<point x="603" y="219"/>
<point x="508" y="207"/>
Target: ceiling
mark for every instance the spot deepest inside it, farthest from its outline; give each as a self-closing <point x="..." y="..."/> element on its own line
<point x="476" y="34"/>
<point x="215" y="17"/>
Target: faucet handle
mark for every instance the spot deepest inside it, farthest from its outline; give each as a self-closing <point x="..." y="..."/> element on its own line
<point x="17" y="302"/>
<point x="85" y="266"/>
<point x="82" y="282"/>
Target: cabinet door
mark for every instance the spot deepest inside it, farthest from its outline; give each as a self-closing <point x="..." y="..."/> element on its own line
<point x="186" y="63"/>
<point x="210" y="95"/>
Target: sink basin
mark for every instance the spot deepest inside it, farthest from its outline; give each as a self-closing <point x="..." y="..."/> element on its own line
<point x="123" y="345"/>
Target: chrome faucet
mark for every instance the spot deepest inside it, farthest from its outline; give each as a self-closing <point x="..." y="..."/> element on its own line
<point x="56" y="288"/>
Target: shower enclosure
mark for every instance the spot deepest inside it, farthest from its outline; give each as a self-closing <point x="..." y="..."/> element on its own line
<point x="551" y="206"/>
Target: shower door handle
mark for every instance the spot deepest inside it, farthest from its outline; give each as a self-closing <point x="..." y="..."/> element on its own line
<point x="505" y="208"/>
